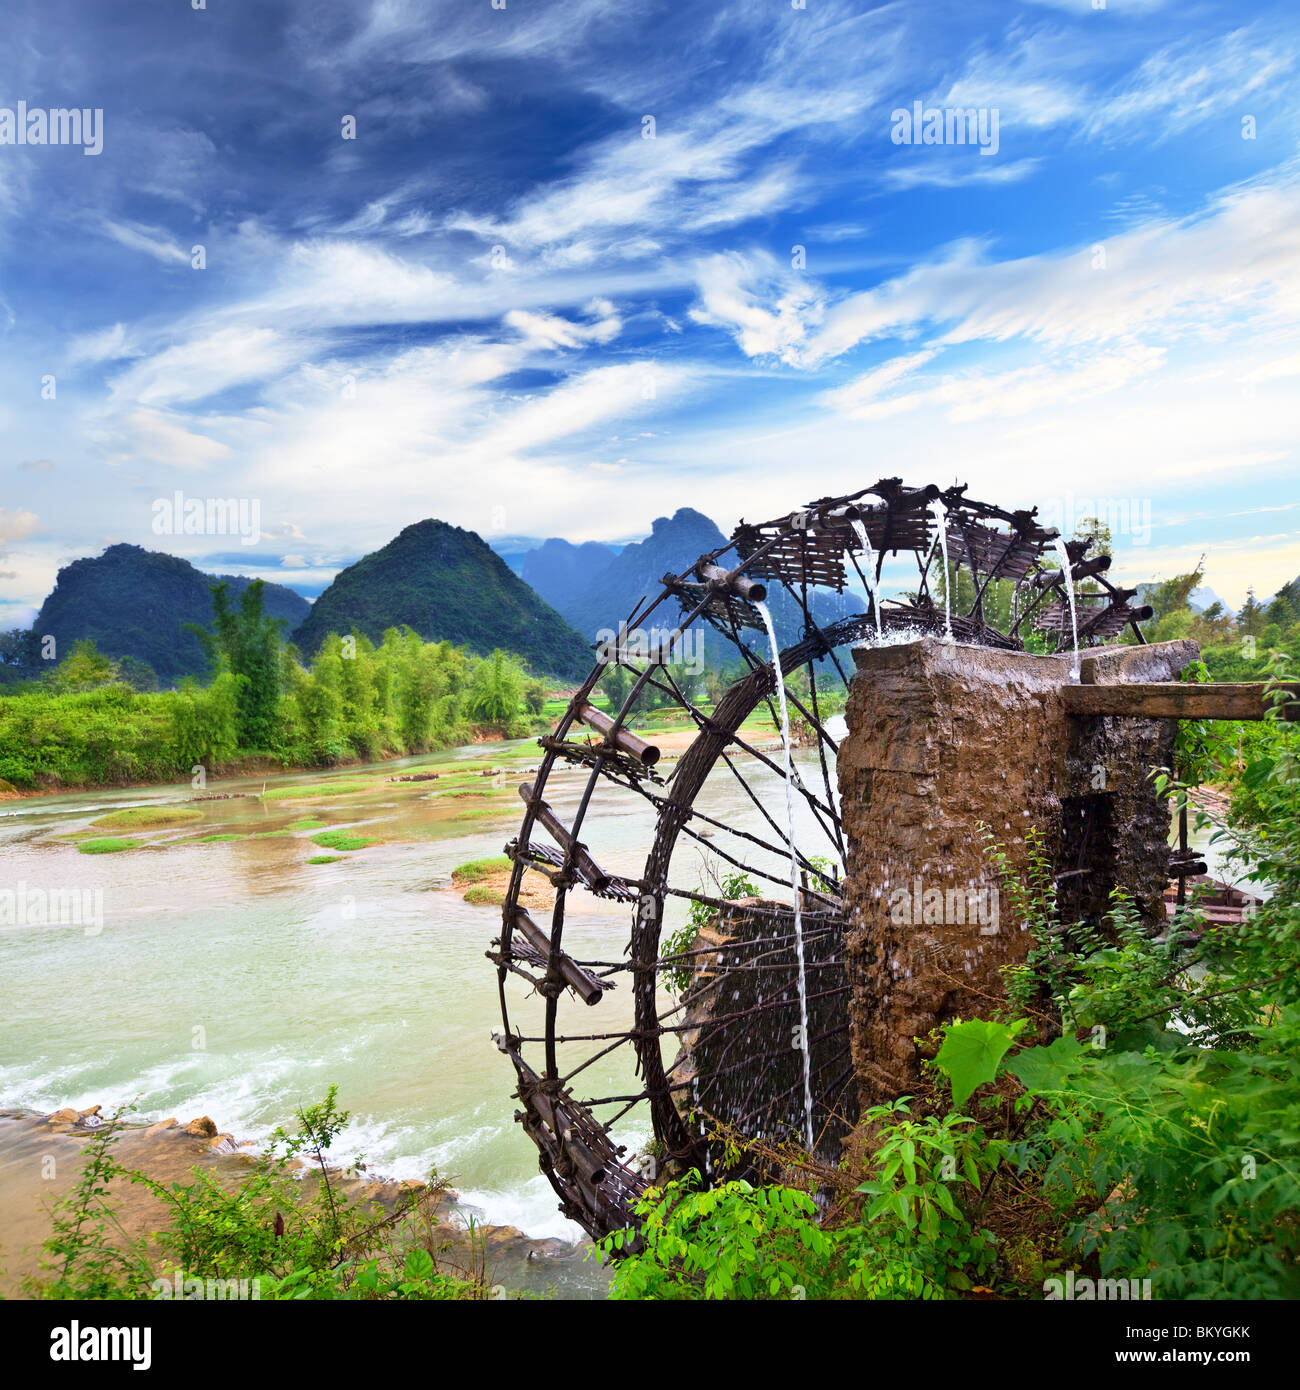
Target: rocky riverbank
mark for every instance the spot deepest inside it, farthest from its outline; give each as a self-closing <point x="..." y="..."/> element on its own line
<point x="41" y="1157"/>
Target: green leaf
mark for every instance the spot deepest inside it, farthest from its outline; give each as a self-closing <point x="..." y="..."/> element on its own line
<point x="1046" y="1068"/>
<point x="971" y="1053"/>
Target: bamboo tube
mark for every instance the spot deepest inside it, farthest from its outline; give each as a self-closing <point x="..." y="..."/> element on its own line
<point x="624" y="741"/>
<point x="596" y="877"/>
<point x="738" y="584"/>
<point x="583" y="984"/>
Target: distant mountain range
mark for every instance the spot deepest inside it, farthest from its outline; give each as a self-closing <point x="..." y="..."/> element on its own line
<point x="514" y="550"/>
<point x="134" y="602"/>
<point x="449" y="585"/>
<point x="444" y="582"/>
<point x="596" y="589"/>
<point x="559" y="570"/>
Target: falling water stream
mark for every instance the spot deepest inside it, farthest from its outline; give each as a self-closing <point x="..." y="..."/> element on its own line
<point x="794" y="875"/>
<point x="1068" y="585"/>
<point x="869" y="574"/>
<point x="941" y="519"/>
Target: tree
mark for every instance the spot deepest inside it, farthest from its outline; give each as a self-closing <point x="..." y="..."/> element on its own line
<point x="139" y="675"/>
<point x="496" y="689"/>
<point x="616" y="682"/>
<point x="246" y="642"/>
<point x="1171" y="601"/>
<point x="716" y="683"/>
<point x="1251" y="619"/>
<point x="84" y="668"/>
<point x="535" y="697"/>
<point x="19" y="647"/>
<point x="1285" y="606"/>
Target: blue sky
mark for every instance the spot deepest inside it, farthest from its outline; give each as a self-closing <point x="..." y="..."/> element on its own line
<point x="502" y="305"/>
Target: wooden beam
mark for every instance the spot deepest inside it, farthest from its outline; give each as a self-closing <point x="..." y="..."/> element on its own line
<point x="1178" y="700"/>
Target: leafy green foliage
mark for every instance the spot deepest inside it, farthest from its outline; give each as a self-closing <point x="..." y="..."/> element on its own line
<point x="298" y="1239"/>
<point x="927" y="1181"/>
<point x="915" y="1239"/>
<point x="680" y="942"/>
<point x="87" y="1255"/>
<point x="497" y="689"/>
<point x="1191" y="1159"/>
<point x="357" y="700"/>
<point x="84" y="668"/>
<point x="1236" y="648"/>
<point x="731" y="1242"/>
<point x="246" y="642"/>
<point x="971" y="1053"/>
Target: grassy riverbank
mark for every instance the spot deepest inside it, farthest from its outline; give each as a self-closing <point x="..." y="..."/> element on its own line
<point x="357" y="703"/>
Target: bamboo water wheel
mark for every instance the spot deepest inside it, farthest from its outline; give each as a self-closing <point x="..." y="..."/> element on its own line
<point x="698" y="980"/>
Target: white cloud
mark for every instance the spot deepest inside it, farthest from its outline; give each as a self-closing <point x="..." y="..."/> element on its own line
<point x="103" y="345"/>
<point x="158" y="437"/>
<point x="206" y="365"/>
<point x="150" y="240"/>
<point x="16" y="524"/>
<point x="594" y="397"/>
<point x="1192" y="81"/>
<point x="974" y="394"/>
<point x="731" y="287"/>
<point x="934" y="173"/>
<point x="552" y="331"/>
<point x="1240" y="261"/>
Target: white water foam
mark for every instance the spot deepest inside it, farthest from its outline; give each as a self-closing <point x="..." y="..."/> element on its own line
<point x="794" y="876"/>
<point x="869" y="574"/>
<point x="1068" y="585"/>
<point x="941" y="517"/>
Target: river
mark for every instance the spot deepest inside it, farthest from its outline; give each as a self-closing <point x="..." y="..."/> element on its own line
<point x="234" y="979"/>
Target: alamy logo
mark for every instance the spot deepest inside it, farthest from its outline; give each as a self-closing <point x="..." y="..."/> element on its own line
<point x="952" y="125"/>
<point x="179" y="515"/>
<point x="22" y="906"/>
<point x="1087" y="1290"/>
<point x="1120" y="516"/>
<point x="77" y="1343"/>
<point x="60" y="125"/>
<point x="191" y="1289"/>
<point x="652" y="644"/>
<point x="945" y="907"/>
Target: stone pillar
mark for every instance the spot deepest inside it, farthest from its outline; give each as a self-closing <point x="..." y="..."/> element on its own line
<point x="1115" y="829"/>
<point x="945" y="739"/>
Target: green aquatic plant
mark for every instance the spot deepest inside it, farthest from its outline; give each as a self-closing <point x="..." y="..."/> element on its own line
<point x="342" y="839"/>
<point x="148" y="817"/>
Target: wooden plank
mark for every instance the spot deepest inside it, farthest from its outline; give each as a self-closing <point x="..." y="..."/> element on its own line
<point x="1177" y="700"/>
